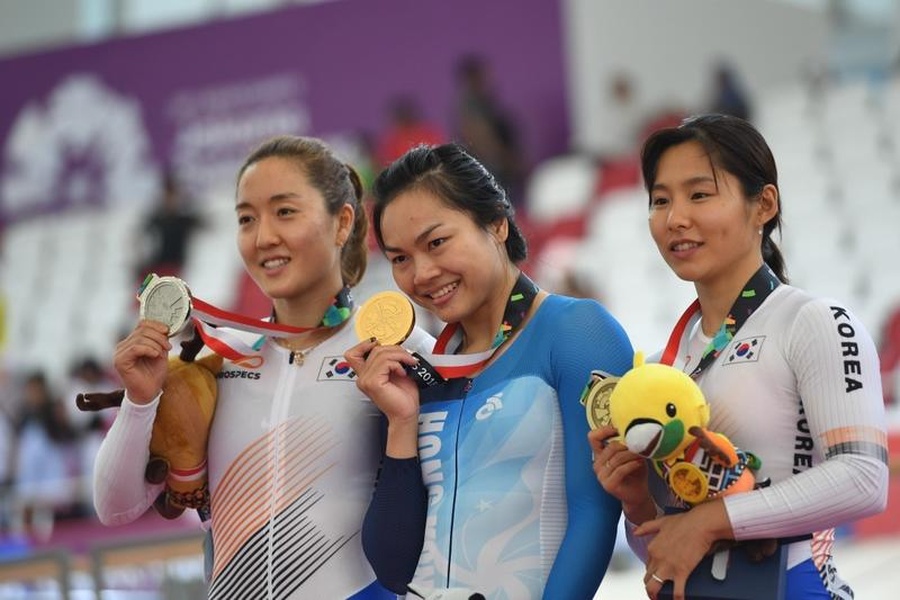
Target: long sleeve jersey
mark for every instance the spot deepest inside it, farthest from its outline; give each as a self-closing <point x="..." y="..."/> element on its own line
<point x="799" y="387"/>
<point x="293" y="453"/>
<point x="513" y="508"/>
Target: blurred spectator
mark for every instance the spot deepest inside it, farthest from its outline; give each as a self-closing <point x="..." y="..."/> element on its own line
<point x="729" y="96"/>
<point x="363" y="158"/>
<point x="617" y="159"/>
<point x="486" y="128"/>
<point x="42" y="477"/>
<point x="167" y="231"/>
<point x="406" y="128"/>
<point x="88" y="428"/>
<point x="623" y="128"/>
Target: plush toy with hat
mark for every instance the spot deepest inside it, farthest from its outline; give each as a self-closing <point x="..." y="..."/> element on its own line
<point x="178" y="443"/>
<point x="661" y="414"/>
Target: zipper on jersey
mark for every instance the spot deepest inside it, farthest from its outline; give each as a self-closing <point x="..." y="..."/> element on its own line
<point x="277" y="415"/>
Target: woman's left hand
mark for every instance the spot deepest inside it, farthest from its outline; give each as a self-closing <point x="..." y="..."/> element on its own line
<point x="382" y="376"/>
<point x="680" y="543"/>
<point x="623" y="474"/>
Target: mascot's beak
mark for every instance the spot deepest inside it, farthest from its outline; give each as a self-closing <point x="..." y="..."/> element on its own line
<point x="644" y="437"/>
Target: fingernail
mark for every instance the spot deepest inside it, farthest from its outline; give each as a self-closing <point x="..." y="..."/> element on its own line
<point x="373" y="339"/>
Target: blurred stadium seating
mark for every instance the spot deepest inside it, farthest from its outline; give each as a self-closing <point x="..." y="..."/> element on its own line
<point x="839" y="175"/>
<point x="70" y="286"/>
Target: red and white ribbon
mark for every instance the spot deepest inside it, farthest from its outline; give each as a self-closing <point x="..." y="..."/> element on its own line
<point x="451" y="366"/>
<point x="209" y="321"/>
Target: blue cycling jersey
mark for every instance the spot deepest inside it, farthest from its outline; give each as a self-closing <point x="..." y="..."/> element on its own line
<point x="513" y="507"/>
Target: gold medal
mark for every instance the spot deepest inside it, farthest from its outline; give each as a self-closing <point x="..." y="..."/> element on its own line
<point x="688" y="482"/>
<point x="596" y="399"/>
<point x="387" y="316"/>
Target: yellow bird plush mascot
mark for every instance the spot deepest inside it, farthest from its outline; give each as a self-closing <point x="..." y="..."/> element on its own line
<point x="661" y="414"/>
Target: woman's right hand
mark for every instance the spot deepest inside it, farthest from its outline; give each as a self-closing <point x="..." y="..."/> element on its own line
<point x="623" y="474"/>
<point x="142" y="360"/>
<point x="381" y="375"/>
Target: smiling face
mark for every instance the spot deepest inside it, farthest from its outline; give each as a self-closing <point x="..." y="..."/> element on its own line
<point x="290" y="244"/>
<point x="443" y="260"/>
<point x="703" y="225"/>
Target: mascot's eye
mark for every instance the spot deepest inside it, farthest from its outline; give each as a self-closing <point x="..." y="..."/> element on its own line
<point x="670" y="409"/>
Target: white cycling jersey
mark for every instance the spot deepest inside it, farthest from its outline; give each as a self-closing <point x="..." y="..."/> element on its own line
<point x="799" y="387"/>
<point x="293" y="454"/>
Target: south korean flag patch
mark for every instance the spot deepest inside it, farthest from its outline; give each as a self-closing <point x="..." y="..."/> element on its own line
<point x="745" y="350"/>
<point x="335" y="368"/>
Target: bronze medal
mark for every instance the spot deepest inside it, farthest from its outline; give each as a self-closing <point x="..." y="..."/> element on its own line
<point x="387" y="316"/>
<point x="596" y="399"/>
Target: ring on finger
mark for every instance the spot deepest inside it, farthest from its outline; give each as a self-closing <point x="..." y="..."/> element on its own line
<point x="657" y="578"/>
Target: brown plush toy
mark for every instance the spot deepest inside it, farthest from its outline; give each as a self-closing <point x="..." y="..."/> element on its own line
<point x="180" y="431"/>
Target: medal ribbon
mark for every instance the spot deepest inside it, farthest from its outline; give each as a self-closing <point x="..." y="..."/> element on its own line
<point x="451" y="366"/>
<point x="753" y="294"/>
<point x="208" y="320"/>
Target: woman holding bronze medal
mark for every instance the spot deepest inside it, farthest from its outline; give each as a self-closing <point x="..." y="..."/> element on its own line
<point x="486" y="483"/>
<point x="293" y="445"/>
<point x="790" y="377"/>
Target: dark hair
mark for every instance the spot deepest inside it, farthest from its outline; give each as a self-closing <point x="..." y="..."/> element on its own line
<point x="470" y="66"/>
<point x="338" y="183"/>
<point x="735" y="146"/>
<point x="459" y="180"/>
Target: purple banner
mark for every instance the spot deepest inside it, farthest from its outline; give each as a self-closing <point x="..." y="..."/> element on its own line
<point x="96" y="124"/>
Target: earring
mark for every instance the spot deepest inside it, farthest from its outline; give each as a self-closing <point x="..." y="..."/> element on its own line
<point x="760" y="231"/>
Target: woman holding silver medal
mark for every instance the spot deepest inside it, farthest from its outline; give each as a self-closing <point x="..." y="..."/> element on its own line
<point x="486" y="483"/>
<point x="788" y="376"/>
<point x="294" y="445"/>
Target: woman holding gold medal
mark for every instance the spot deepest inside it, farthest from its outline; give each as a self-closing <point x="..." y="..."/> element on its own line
<point x="788" y="376"/>
<point x="294" y="445"/>
<point x="486" y="483"/>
